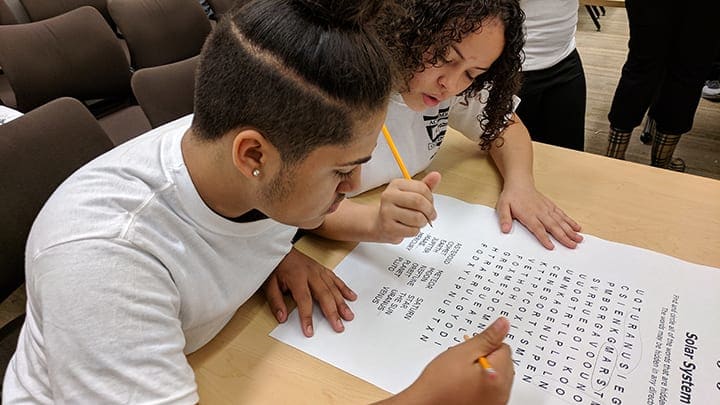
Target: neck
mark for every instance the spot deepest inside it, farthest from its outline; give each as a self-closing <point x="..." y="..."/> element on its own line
<point x="214" y="176"/>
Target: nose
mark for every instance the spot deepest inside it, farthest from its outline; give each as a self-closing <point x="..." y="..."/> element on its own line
<point x="351" y="184"/>
<point x="451" y="81"/>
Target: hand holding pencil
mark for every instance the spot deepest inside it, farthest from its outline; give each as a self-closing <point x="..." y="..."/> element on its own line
<point x="456" y="377"/>
<point x="406" y="205"/>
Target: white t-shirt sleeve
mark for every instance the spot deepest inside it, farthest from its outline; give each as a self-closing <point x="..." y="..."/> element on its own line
<point x="464" y="116"/>
<point x="111" y="329"/>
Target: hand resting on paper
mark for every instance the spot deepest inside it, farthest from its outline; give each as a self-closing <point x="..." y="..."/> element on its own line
<point x="455" y="377"/>
<point x="307" y="280"/>
<point x="538" y="214"/>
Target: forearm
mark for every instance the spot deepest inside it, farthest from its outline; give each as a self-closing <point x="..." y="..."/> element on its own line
<point x="411" y="395"/>
<point x="514" y="159"/>
<point x="351" y="222"/>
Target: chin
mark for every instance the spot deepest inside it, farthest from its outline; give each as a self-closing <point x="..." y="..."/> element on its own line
<point x="312" y="223"/>
<point x="417" y="104"/>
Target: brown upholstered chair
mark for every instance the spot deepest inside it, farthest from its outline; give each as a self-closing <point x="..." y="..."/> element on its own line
<point x="159" y="32"/>
<point x="37" y="152"/>
<point x="12" y="12"/>
<point x="75" y="54"/>
<point x="166" y="92"/>
<point x="221" y="7"/>
<point x="43" y="9"/>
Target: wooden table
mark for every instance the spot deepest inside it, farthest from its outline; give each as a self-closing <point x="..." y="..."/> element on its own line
<point x="674" y="213"/>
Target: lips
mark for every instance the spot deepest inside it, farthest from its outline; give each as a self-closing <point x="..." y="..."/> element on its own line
<point x="430" y="101"/>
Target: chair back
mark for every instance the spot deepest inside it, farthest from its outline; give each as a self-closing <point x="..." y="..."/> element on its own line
<point x="159" y="32"/>
<point x="221" y="7"/>
<point x="166" y="92"/>
<point x="38" y="151"/>
<point x="12" y="12"/>
<point x="43" y="9"/>
<point x="75" y="54"/>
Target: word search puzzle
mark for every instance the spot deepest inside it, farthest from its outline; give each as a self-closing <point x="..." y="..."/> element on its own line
<point x="602" y="324"/>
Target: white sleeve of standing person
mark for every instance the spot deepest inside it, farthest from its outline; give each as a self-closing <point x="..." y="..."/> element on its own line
<point x="463" y="115"/>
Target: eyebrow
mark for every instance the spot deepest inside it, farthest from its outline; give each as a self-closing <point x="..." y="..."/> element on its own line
<point x="356" y="162"/>
<point x="463" y="57"/>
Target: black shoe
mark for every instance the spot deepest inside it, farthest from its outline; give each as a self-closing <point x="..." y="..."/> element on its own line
<point x="646" y="138"/>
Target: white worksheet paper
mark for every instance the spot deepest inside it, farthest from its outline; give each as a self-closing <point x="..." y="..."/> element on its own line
<point x="8" y="114"/>
<point x="605" y="323"/>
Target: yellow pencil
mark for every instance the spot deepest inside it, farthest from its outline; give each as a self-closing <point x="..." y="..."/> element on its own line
<point x="395" y="152"/>
<point x="486" y="365"/>
<point x="483" y="361"/>
<point x="398" y="158"/>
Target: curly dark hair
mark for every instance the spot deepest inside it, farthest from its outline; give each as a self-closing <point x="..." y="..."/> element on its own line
<point x="412" y="29"/>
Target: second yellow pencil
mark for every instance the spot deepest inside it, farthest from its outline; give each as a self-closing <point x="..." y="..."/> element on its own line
<point x="483" y="361"/>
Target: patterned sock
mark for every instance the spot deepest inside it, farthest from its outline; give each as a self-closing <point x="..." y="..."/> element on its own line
<point x="617" y="143"/>
<point x="662" y="148"/>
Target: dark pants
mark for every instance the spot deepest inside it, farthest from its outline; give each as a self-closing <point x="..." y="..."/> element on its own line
<point x="715" y="68"/>
<point x="671" y="48"/>
<point x="553" y="103"/>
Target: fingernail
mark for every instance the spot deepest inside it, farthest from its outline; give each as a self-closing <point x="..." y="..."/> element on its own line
<point x="309" y="330"/>
<point x="279" y="315"/>
<point x="339" y="325"/>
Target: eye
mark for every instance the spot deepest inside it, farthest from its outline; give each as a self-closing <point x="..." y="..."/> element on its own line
<point x="344" y="175"/>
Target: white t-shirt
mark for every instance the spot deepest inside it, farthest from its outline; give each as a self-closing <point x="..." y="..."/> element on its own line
<point x="127" y="271"/>
<point x="418" y="136"/>
<point x="550" y="31"/>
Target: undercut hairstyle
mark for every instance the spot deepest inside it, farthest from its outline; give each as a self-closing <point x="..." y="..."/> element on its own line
<point x="419" y="33"/>
<point x="303" y="73"/>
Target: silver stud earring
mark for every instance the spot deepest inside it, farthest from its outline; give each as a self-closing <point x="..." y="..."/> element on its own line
<point x="256" y="172"/>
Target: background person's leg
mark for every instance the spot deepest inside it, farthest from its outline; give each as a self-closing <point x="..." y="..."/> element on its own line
<point x="693" y="49"/>
<point x="553" y="104"/>
<point x="650" y="23"/>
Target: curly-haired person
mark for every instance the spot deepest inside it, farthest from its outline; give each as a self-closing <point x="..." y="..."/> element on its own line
<point x="458" y="64"/>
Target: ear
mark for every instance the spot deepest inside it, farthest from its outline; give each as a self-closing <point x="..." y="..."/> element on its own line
<point x="250" y="152"/>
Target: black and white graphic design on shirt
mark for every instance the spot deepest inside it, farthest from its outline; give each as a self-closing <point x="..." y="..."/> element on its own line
<point x="436" y="126"/>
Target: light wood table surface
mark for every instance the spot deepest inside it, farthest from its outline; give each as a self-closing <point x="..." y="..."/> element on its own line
<point x="673" y="213"/>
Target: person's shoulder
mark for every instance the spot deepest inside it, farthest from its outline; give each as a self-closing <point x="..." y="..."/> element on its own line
<point x="102" y="198"/>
